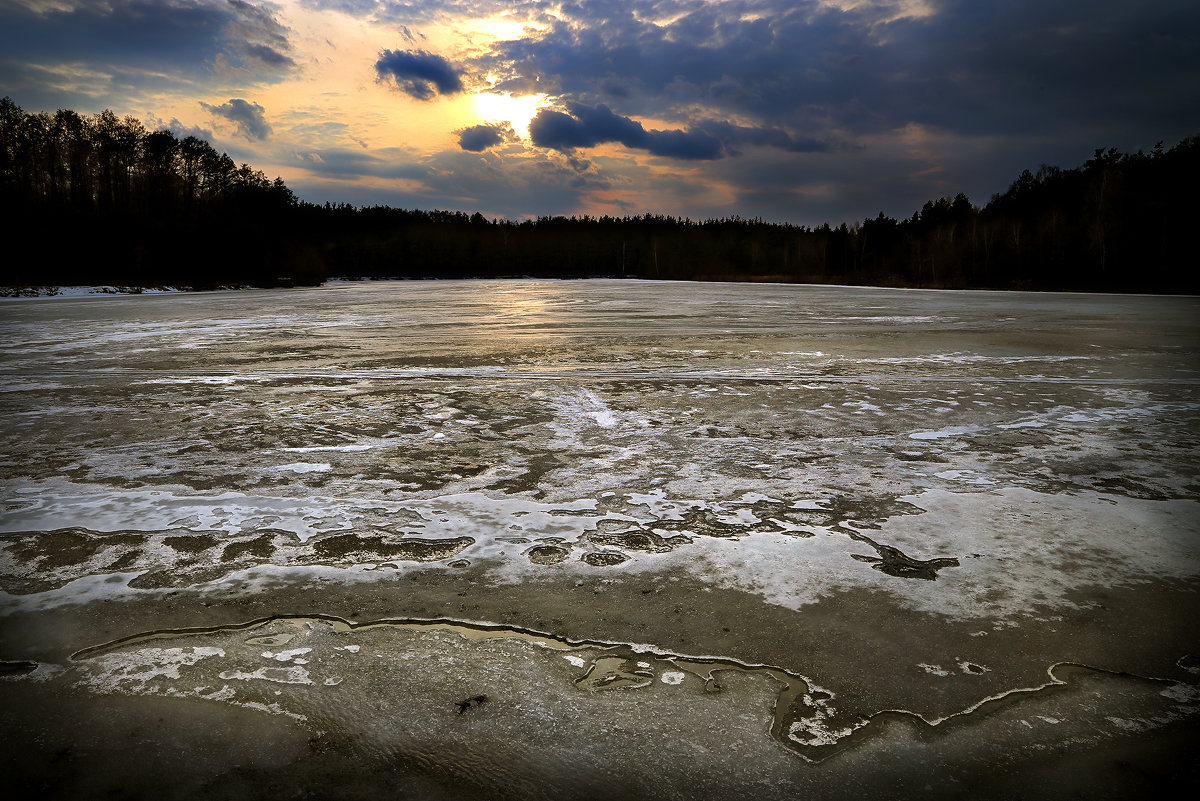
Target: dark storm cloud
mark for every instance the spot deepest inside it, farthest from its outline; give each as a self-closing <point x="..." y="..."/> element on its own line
<point x="154" y="44"/>
<point x="588" y="126"/>
<point x="131" y="33"/>
<point x="478" y="138"/>
<point x="731" y="136"/>
<point x="249" y="118"/>
<point x="974" y="66"/>
<point x="419" y="73"/>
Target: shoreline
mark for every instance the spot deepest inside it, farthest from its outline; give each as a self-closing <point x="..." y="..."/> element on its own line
<point x="44" y="292"/>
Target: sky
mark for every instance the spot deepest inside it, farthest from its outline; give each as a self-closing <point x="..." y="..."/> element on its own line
<point x="802" y="111"/>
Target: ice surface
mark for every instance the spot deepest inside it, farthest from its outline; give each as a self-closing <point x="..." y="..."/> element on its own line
<point x="958" y="484"/>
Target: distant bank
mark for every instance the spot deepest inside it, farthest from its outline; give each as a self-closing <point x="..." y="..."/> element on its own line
<point x="102" y="201"/>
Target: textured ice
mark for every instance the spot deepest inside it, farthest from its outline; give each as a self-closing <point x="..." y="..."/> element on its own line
<point x="938" y="475"/>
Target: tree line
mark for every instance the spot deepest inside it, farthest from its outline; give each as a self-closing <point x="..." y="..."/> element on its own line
<point x="102" y="200"/>
<point x="99" y="199"/>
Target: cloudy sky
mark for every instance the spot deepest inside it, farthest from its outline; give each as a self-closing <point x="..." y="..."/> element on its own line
<point x="799" y="110"/>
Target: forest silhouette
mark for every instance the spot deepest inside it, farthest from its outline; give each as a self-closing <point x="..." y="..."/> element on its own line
<point x="98" y="199"/>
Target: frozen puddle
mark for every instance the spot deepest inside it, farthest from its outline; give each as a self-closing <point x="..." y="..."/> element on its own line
<point x="313" y="665"/>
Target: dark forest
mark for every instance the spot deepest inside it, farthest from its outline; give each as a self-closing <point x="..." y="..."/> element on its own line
<point x="102" y="200"/>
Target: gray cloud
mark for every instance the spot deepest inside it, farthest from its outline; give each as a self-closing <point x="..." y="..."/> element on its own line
<point x="587" y="126"/>
<point x="268" y="56"/>
<point x="352" y="7"/>
<point x="504" y="186"/>
<point x="478" y="138"/>
<point x="419" y="73"/>
<point x="379" y="163"/>
<point x="132" y="33"/>
<point x="182" y="131"/>
<point x="707" y="140"/>
<point x="486" y="182"/>
<point x="249" y="118"/>
<point x="150" y="45"/>
<point x="255" y="36"/>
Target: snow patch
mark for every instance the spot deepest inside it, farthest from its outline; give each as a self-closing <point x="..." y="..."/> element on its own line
<point x="305" y="467"/>
<point x="293" y="674"/>
<point x="286" y="656"/>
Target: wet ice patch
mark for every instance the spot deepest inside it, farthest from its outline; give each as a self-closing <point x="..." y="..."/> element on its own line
<point x="86" y="589"/>
<point x="57" y="504"/>
<point x="580" y="406"/>
<point x="1132" y="726"/>
<point x="32" y="671"/>
<point x="964" y="477"/>
<point x="898" y="318"/>
<point x="944" y="433"/>
<point x="1188" y="694"/>
<point x="1113" y="540"/>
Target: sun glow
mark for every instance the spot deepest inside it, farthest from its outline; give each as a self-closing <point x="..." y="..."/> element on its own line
<point x="519" y="111"/>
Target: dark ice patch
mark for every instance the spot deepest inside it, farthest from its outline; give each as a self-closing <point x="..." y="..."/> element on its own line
<point x="702" y="522"/>
<point x="65" y="547"/>
<point x="44" y="560"/>
<point x="615" y="672"/>
<point x="261" y="547"/>
<point x="386" y="548"/>
<point x="547" y="554"/>
<point x="864" y="511"/>
<point x="895" y="562"/>
<point x="603" y="558"/>
<point x="470" y="703"/>
<point x="16" y="667"/>
<point x="190" y="543"/>
<point x="638" y="540"/>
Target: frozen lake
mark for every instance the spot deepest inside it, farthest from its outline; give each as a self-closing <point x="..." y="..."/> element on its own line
<point x="601" y="538"/>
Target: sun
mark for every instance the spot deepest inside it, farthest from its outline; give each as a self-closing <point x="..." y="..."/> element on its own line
<point x="496" y="107"/>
